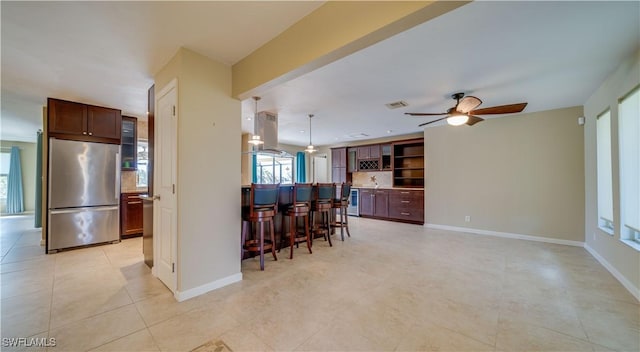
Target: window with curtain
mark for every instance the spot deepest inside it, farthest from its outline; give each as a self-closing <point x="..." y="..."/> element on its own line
<point x="142" y="163"/>
<point x="604" y="184"/>
<point x="629" y="144"/>
<point x="5" y="161"/>
<point x="273" y="169"/>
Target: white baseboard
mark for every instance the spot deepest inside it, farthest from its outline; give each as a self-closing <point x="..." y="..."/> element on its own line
<point x="504" y="234"/>
<point x="635" y="291"/>
<point x="197" y="291"/>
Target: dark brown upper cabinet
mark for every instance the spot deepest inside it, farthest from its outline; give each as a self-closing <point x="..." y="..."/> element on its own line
<point x="76" y="121"/>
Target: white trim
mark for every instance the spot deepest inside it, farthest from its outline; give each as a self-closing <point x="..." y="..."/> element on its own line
<point x="197" y="291"/>
<point x="505" y="235"/>
<point x="635" y="291"/>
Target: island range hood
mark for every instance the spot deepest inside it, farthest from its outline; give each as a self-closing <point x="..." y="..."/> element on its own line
<point x="265" y="125"/>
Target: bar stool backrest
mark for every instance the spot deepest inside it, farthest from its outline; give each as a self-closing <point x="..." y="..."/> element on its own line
<point x="264" y="196"/>
<point x="302" y="193"/>
<point x="325" y="192"/>
<point x="346" y="191"/>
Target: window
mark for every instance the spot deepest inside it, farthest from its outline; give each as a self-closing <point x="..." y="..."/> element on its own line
<point x="629" y="134"/>
<point x="274" y="169"/>
<point x="143" y="159"/>
<point x="605" y="184"/>
<point x="5" y="162"/>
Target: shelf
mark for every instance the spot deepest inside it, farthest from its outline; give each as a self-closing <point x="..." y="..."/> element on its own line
<point x="409" y="168"/>
<point x="408" y="156"/>
<point x="408" y="178"/>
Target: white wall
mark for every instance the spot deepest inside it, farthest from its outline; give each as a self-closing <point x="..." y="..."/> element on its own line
<point x="621" y="259"/>
<point x="209" y="150"/>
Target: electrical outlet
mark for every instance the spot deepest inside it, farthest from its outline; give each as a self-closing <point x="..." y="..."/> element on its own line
<point x="467" y="218"/>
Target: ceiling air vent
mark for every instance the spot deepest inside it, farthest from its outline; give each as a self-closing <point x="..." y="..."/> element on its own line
<point x="358" y="135"/>
<point x="397" y="104"/>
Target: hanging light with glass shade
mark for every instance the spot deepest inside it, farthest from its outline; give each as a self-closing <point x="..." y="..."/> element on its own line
<point x="255" y="138"/>
<point x="310" y="148"/>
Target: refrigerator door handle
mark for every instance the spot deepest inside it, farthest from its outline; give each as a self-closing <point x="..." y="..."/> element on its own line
<point x="118" y="170"/>
<point x="77" y="210"/>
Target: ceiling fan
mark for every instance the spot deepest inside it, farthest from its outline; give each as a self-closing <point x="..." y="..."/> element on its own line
<point x="465" y="111"/>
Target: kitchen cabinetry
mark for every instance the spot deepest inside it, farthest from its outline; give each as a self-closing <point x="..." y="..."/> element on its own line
<point x="130" y="215"/>
<point x="406" y="205"/>
<point x="352" y="159"/>
<point x="408" y="163"/>
<point x="385" y="156"/>
<point x="129" y="147"/>
<point x="374" y="202"/>
<point x="369" y="157"/>
<point x="339" y="165"/>
<point x="392" y="204"/>
<point x="76" y="121"/>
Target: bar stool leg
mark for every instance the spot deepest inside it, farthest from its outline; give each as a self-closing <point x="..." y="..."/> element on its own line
<point x="262" y="245"/>
<point x="292" y="235"/>
<point x="243" y="237"/>
<point x="306" y="230"/>
<point x="346" y="221"/>
<point x="327" y="215"/>
<point x="273" y="239"/>
<point x="341" y="223"/>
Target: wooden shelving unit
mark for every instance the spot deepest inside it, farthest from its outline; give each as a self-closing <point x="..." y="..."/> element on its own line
<point x="408" y="163"/>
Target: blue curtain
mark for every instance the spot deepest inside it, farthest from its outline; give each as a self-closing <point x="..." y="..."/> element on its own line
<point x="38" y="214"/>
<point x="301" y="170"/>
<point x="14" y="184"/>
<point x="254" y="168"/>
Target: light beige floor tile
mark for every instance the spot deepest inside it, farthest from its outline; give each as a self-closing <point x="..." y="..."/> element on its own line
<point x="612" y="324"/>
<point x="70" y="307"/>
<point x="241" y="339"/>
<point x="339" y="337"/>
<point x="17" y="254"/>
<point x="26" y="281"/>
<point x="26" y="315"/>
<point x="145" y="287"/>
<point x="95" y="331"/>
<point x="37" y="263"/>
<point x="163" y="307"/>
<point x="192" y="329"/>
<point x="430" y="337"/>
<point x="140" y="341"/>
<point x="514" y="336"/>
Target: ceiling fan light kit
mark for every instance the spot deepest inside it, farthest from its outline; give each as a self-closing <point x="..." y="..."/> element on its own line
<point x="464" y="112"/>
<point x="457" y="120"/>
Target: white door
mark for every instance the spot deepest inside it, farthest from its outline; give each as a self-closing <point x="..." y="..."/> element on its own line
<point x="165" y="223"/>
<point x="320" y="169"/>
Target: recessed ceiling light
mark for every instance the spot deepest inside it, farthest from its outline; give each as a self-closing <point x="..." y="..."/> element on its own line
<point x="389" y="131"/>
<point x="249" y="118"/>
<point x="301" y="131"/>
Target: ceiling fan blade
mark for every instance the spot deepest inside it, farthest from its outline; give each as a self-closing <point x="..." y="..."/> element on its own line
<point x="424" y="114"/>
<point x="468" y="103"/>
<point x="436" y="120"/>
<point x="473" y="120"/>
<point x="502" y="109"/>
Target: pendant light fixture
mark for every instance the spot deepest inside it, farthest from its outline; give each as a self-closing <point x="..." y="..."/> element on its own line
<point x="255" y="138"/>
<point x="310" y="148"/>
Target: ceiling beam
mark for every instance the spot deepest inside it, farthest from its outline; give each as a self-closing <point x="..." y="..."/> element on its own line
<point x="335" y="30"/>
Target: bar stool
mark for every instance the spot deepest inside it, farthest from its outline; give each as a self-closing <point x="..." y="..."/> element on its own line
<point x="263" y="205"/>
<point x="322" y="205"/>
<point x="341" y="202"/>
<point x="300" y="207"/>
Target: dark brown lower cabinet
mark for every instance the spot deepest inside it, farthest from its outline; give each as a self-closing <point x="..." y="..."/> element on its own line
<point x="393" y="204"/>
<point x="130" y="215"/>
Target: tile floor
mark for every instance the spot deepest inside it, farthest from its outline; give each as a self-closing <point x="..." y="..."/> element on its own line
<point x="389" y="287"/>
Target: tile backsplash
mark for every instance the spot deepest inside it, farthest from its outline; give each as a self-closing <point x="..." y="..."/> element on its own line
<point x="128" y="182"/>
<point x="384" y="179"/>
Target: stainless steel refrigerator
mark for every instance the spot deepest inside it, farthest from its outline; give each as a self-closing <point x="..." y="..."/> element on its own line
<point x="84" y="194"/>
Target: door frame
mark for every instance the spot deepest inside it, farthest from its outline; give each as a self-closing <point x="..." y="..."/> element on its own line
<point x="173" y="84"/>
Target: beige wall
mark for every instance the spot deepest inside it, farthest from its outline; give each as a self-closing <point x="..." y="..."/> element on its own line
<point x="28" y="164"/>
<point x="620" y="257"/>
<point x="208" y="167"/>
<point x="520" y="175"/>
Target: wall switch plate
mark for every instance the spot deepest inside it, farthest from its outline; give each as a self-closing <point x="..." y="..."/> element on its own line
<point x="467" y="218"/>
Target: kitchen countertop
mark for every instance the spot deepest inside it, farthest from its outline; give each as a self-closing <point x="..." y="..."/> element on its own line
<point x="135" y="190"/>
<point x="374" y="187"/>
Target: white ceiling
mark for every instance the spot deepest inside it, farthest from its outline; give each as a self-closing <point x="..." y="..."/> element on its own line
<point x="550" y="54"/>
